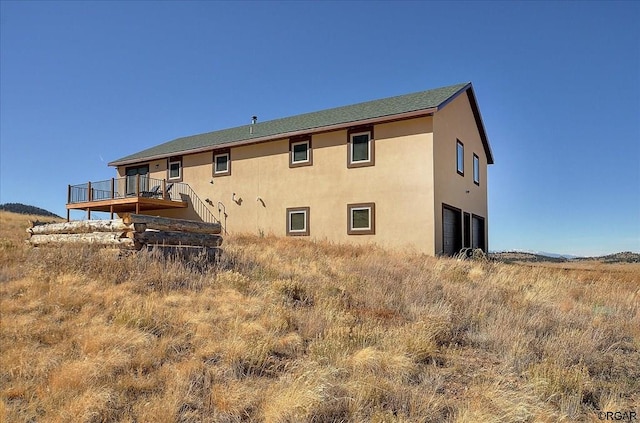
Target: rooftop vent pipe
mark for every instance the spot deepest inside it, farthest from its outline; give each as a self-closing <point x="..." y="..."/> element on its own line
<point x="254" y="119"/>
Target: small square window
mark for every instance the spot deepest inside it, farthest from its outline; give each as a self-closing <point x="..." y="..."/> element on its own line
<point x="298" y="221"/>
<point x="361" y="219"/>
<point x="221" y="164"/>
<point x="175" y="170"/>
<point x="361" y="147"/>
<point x="476" y="169"/>
<point x="300" y="153"/>
<point x="460" y="157"/>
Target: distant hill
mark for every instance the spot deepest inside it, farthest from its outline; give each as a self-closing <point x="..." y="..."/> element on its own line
<point x="624" y="257"/>
<point x="521" y="256"/>
<point x="25" y="209"/>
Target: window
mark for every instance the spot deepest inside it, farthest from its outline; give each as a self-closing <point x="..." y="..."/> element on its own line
<point x="361" y="150"/>
<point x="460" y="157"/>
<point x="476" y="169"/>
<point x="361" y="219"/>
<point x="360" y="147"/>
<point x="175" y="169"/>
<point x="298" y="221"/>
<point x="300" y="153"/>
<point x="221" y="163"/>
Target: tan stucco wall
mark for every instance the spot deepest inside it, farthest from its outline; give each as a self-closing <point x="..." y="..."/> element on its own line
<point x="456" y="122"/>
<point x="400" y="183"/>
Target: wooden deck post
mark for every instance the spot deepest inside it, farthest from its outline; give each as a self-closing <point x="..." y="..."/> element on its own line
<point x="89" y="192"/>
<point x="113" y="192"/>
<point x="164" y="189"/>
<point x="88" y="213"/>
<point x="68" y="202"/>
<point x="138" y="185"/>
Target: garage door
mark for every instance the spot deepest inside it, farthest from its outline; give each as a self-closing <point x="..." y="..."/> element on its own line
<point x="478" y="232"/>
<point x="451" y="230"/>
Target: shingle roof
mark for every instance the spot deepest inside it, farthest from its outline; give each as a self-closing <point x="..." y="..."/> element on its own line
<point x="304" y="122"/>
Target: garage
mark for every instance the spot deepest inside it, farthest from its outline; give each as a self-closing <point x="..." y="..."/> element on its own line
<point x="451" y="230"/>
<point x="478" y="232"/>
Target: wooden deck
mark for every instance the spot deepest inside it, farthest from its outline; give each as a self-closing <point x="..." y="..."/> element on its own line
<point x="133" y="204"/>
<point x="127" y="195"/>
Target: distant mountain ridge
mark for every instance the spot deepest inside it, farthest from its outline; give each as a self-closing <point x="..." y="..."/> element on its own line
<point x="26" y="209"/>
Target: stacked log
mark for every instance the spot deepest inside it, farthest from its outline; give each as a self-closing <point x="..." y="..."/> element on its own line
<point x="132" y="231"/>
<point x="105" y="239"/>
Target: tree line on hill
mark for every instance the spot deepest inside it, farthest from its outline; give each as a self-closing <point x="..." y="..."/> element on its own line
<point x="26" y="209"/>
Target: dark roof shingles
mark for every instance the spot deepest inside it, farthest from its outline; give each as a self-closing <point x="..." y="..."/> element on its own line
<point x="308" y="121"/>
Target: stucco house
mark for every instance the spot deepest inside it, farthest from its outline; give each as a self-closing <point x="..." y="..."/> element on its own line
<point x="402" y="172"/>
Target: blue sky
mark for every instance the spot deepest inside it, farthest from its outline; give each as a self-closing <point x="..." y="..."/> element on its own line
<point x="558" y="84"/>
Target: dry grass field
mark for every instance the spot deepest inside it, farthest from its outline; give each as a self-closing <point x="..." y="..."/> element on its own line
<point x="286" y="330"/>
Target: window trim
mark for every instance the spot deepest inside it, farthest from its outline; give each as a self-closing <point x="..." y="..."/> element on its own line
<point x="371" y="161"/>
<point x="371" y="230"/>
<point x="218" y="153"/>
<point x="171" y="161"/>
<point x="459" y="159"/>
<point x="297" y="232"/>
<point x="476" y="169"/>
<point x="306" y="139"/>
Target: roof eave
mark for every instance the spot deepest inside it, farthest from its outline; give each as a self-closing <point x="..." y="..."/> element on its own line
<point x="468" y="88"/>
<point x="479" y="123"/>
<point x="326" y="128"/>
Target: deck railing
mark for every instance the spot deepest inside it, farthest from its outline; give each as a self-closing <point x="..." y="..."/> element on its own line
<point x="200" y="207"/>
<point x="139" y="186"/>
<point x="130" y="186"/>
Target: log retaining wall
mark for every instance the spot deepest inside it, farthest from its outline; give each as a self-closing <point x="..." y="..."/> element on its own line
<point x="131" y="232"/>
